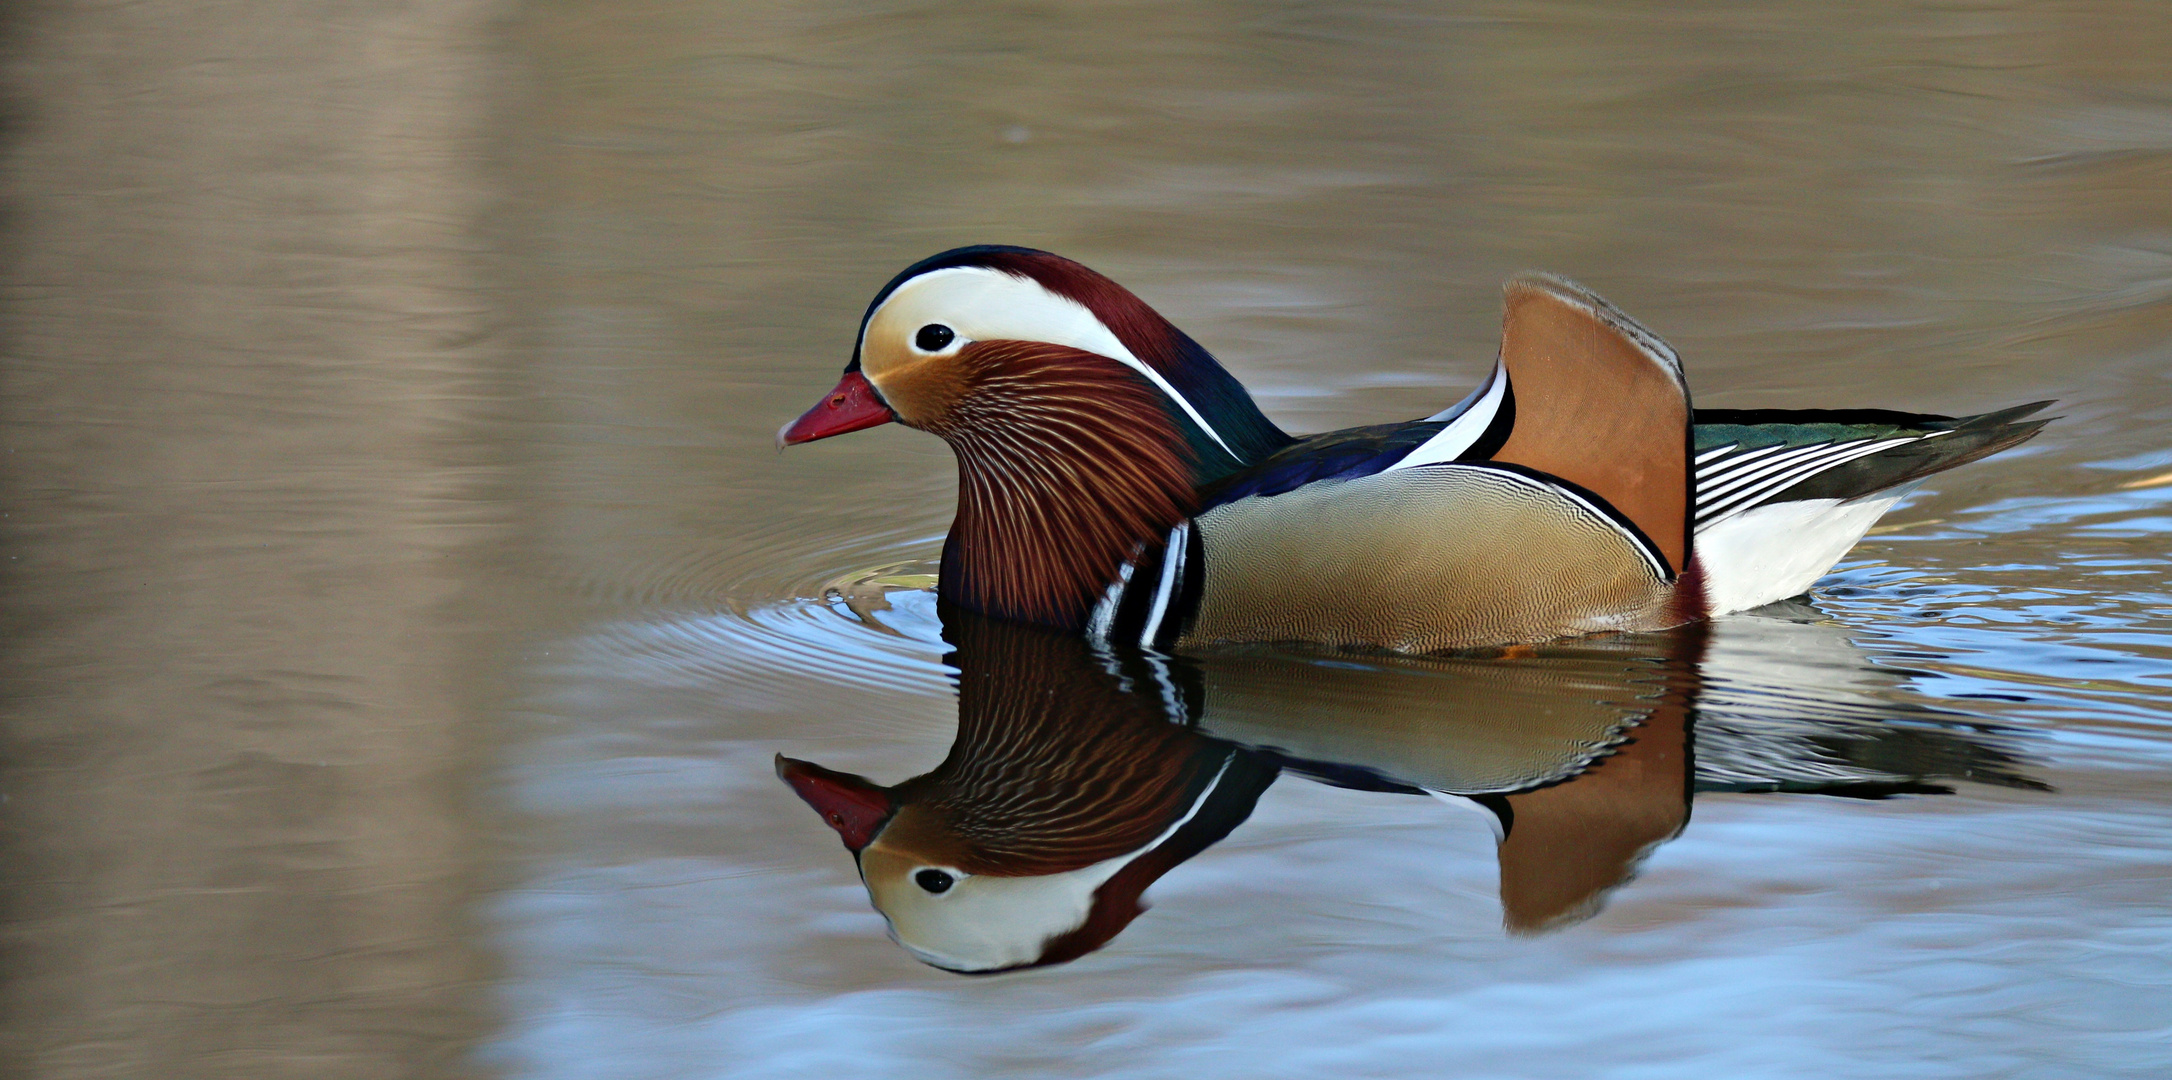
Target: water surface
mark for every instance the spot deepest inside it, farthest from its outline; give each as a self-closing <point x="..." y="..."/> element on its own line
<point x="408" y="603"/>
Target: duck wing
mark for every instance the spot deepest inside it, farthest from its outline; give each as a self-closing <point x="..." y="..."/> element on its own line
<point x="1600" y="403"/>
<point x="1581" y="395"/>
<point x="1553" y="502"/>
<point x="1746" y="458"/>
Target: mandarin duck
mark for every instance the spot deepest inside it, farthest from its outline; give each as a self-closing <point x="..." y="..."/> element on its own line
<point x="1081" y="774"/>
<point x="1586" y="755"/>
<point x="1578" y="758"/>
<point x="1064" y="795"/>
<point x="1115" y="480"/>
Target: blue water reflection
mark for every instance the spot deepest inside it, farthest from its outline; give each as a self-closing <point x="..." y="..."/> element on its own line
<point x="726" y="925"/>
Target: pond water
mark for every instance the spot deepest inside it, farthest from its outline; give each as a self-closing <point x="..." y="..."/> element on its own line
<point x="410" y="604"/>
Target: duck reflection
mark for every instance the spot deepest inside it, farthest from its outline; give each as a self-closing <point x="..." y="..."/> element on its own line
<point x="1578" y="754"/>
<point x="1079" y="776"/>
<point x="1066" y="793"/>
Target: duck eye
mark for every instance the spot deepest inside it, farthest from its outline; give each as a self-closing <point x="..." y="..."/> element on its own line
<point x="934" y="881"/>
<point x="934" y="337"/>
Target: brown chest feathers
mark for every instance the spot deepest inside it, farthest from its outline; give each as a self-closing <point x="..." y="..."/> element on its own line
<point x="1056" y="765"/>
<point x="1067" y="464"/>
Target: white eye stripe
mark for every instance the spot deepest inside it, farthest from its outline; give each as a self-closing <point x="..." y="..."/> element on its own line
<point x="980" y="304"/>
<point x="1007" y="921"/>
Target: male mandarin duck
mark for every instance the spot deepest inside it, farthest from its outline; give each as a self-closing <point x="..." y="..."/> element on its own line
<point x="1115" y="480"/>
<point x="1080" y="775"/>
<point x="1065" y="794"/>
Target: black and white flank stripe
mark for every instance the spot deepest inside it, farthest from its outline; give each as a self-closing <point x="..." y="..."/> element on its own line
<point x="1154" y="596"/>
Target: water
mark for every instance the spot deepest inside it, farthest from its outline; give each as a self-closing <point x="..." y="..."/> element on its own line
<point x="407" y="604"/>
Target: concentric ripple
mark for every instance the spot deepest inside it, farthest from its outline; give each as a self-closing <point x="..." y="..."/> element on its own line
<point x="865" y="634"/>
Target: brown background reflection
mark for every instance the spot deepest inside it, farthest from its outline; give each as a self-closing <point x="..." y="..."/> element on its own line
<point x="252" y="320"/>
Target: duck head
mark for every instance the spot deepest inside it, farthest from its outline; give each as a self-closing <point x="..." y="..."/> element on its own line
<point x="1063" y="798"/>
<point x="1084" y="423"/>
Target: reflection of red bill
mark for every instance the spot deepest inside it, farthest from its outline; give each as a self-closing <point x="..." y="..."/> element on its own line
<point x="849" y="804"/>
<point x="849" y="406"/>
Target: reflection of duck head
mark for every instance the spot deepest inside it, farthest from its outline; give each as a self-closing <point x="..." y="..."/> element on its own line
<point x="1064" y="796"/>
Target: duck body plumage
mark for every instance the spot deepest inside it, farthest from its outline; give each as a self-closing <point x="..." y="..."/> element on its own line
<point x="1115" y="480"/>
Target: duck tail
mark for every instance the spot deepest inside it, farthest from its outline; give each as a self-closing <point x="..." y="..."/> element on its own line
<point x="1877" y="450"/>
<point x="1782" y="494"/>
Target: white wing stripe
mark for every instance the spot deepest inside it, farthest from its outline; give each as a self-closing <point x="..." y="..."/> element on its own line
<point x="1172" y="566"/>
<point x="1470" y="399"/>
<point x="1717" y="451"/>
<point x="1745" y="466"/>
<point x="1843" y="454"/>
<point x="1724" y="480"/>
<point x="1466" y="429"/>
<point x="1710" y="470"/>
<point x="1784" y="483"/>
<point x="1733" y="494"/>
<point x="1781" y="483"/>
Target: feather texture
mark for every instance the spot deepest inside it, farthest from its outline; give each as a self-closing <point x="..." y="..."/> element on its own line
<point x="1101" y="453"/>
<point x="1067" y="464"/>
<point x="1748" y="458"/>
<point x="1057" y="765"/>
<point x="1240" y="433"/>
